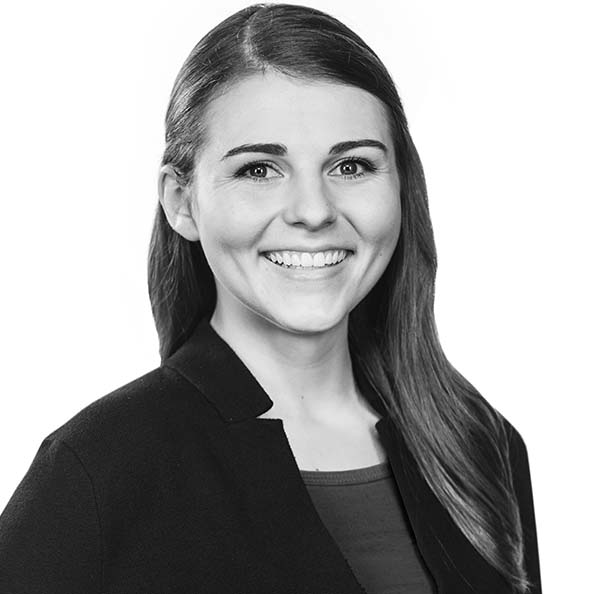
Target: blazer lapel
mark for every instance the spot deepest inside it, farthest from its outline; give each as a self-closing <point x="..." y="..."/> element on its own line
<point x="283" y="521"/>
<point x="456" y="566"/>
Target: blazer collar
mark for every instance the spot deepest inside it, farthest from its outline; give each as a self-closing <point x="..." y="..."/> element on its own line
<point x="212" y="366"/>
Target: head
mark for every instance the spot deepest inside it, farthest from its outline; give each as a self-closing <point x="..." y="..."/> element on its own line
<point x="292" y="75"/>
<point x="298" y="231"/>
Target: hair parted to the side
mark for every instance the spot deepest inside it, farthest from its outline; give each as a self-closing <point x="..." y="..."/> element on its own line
<point x="392" y="334"/>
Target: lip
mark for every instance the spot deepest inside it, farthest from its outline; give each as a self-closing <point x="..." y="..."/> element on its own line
<point x="309" y="249"/>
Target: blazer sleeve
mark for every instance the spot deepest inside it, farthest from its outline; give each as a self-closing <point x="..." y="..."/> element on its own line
<point x="50" y="540"/>
<point x="523" y="488"/>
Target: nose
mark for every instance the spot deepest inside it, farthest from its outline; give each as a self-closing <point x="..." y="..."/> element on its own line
<point x="309" y="204"/>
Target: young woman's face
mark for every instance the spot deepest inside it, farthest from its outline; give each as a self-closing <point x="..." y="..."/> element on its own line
<point x="298" y="229"/>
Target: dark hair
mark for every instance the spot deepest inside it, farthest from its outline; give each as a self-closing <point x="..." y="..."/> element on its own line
<point x="392" y="334"/>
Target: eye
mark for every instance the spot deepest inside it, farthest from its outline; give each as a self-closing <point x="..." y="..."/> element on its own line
<point x="257" y="171"/>
<point x="349" y="167"/>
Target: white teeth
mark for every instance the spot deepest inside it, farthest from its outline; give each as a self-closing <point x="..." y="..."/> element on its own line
<point x="307" y="259"/>
<point x="318" y="259"/>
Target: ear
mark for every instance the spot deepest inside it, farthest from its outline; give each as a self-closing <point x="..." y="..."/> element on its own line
<point x="176" y="198"/>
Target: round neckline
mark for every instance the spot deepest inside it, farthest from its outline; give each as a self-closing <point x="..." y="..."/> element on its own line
<point x="351" y="476"/>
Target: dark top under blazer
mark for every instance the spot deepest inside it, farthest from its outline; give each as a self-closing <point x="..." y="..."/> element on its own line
<point x="172" y="485"/>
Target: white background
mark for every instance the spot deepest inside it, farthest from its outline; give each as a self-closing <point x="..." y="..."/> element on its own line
<point x="499" y="97"/>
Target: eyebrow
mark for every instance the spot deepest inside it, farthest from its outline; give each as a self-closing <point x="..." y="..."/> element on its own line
<point x="278" y="149"/>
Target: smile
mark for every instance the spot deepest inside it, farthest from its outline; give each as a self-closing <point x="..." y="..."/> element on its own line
<point x="291" y="259"/>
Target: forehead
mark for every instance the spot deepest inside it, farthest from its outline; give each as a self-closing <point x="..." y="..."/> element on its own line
<point x="304" y="115"/>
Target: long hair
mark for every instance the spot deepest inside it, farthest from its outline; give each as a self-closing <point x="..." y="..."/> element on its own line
<point x="392" y="333"/>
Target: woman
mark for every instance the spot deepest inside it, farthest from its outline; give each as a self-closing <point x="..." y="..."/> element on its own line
<point x="304" y="432"/>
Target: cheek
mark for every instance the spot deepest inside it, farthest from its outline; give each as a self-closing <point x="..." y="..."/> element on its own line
<point x="227" y="228"/>
<point x="379" y="224"/>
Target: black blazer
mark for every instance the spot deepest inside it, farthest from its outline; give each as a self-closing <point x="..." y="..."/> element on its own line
<point x="171" y="485"/>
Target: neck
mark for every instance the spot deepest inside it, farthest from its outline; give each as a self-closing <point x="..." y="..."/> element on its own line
<point x="307" y="376"/>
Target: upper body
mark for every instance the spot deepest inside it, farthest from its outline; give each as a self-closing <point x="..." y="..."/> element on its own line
<point x="293" y="224"/>
<point x="176" y="483"/>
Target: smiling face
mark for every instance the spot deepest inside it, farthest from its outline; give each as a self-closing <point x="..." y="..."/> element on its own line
<point x="298" y="230"/>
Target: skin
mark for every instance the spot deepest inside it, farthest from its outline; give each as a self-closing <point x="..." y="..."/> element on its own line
<point x="290" y="328"/>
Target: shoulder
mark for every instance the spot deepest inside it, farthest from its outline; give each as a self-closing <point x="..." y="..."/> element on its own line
<point x="519" y="467"/>
<point x="498" y="429"/>
<point x="151" y="408"/>
<point x="517" y="446"/>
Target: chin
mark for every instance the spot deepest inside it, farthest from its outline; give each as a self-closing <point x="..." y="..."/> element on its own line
<point x="306" y="323"/>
